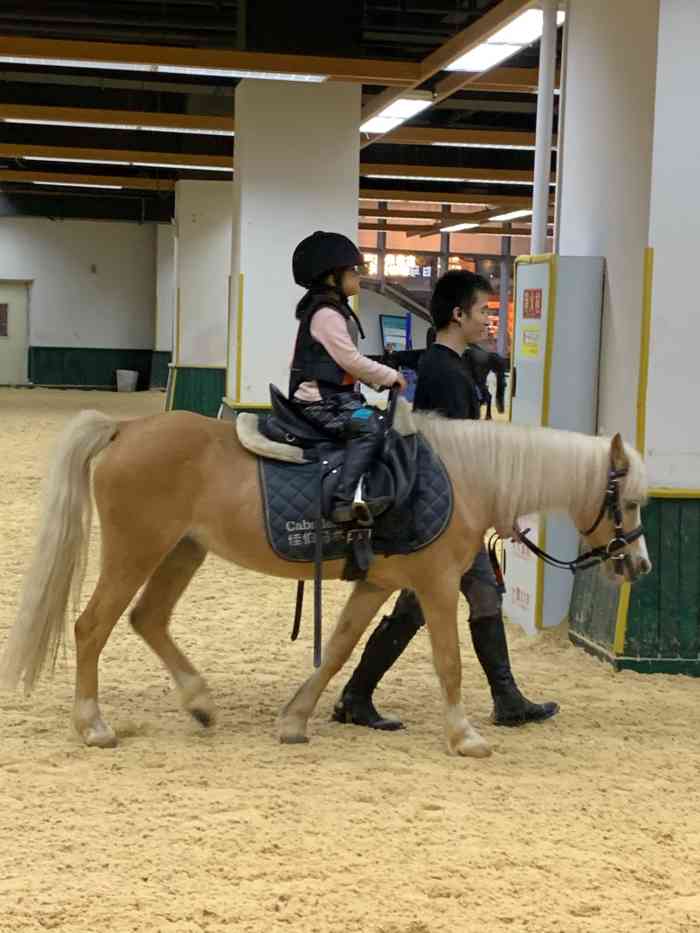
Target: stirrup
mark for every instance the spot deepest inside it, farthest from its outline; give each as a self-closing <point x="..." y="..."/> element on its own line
<point x="360" y="509"/>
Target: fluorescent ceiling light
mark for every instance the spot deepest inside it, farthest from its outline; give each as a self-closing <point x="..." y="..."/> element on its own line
<point x="66" y="159"/>
<point x="484" y="146"/>
<point x="380" y="125"/>
<point x="395" y="113"/>
<point x="418" y="200"/>
<point x="455" y="228"/>
<point x="75" y="63"/>
<point x="240" y="73"/>
<point x="406" y="107"/>
<point x="483" y="57"/>
<point x="522" y="31"/>
<point x="512" y="215"/>
<point x="412" y="178"/>
<point x="101" y="126"/>
<point x="470" y="181"/>
<point x="118" y="126"/>
<point x="185" y="129"/>
<point x="165" y="69"/>
<point x="75" y="184"/>
<point x="194" y="168"/>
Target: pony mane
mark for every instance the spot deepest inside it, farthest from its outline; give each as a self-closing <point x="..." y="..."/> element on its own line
<point x="515" y="471"/>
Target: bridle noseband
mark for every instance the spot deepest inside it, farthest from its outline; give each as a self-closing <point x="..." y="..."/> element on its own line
<point x="614" y="550"/>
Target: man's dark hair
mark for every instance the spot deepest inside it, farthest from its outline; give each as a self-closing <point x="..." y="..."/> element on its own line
<point x="455" y="289"/>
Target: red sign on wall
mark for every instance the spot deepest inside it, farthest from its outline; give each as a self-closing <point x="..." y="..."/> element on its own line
<point x="532" y="303"/>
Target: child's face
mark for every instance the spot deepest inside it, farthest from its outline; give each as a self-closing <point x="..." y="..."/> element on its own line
<point x="350" y="282"/>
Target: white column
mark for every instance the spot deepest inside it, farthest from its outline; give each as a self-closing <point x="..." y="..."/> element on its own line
<point x="165" y="288"/>
<point x="672" y="426"/>
<point x="543" y="135"/>
<point x="606" y="175"/>
<point x="203" y="220"/>
<point x="297" y="158"/>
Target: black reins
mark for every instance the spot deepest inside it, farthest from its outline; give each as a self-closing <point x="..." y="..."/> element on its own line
<point x="614" y="550"/>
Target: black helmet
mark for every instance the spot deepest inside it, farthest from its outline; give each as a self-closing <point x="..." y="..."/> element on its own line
<point x="321" y="253"/>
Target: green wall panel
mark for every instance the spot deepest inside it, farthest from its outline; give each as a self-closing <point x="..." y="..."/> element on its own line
<point x="89" y="367"/>
<point x="159" y="369"/>
<point x="663" y="620"/>
<point x="197" y="389"/>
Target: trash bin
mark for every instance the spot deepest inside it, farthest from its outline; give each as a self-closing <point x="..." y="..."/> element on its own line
<point x="126" y="380"/>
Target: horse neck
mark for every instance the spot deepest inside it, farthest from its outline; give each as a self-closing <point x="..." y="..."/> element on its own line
<point x="504" y="471"/>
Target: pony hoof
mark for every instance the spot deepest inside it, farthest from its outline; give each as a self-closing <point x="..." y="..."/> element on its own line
<point x="294" y="739"/>
<point x="473" y="748"/>
<point x="204" y="717"/>
<point x="100" y="738"/>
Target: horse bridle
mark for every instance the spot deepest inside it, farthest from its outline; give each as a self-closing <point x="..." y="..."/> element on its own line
<point x="614" y="550"/>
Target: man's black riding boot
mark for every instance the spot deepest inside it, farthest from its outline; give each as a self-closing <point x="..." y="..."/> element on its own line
<point x="386" y="643"/>
<point x="510" y="707"/>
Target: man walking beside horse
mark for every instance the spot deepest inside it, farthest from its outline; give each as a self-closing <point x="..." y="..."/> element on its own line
<point x="446" y="385"/>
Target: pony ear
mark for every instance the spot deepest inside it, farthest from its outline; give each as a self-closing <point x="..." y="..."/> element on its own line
<point x="618" y="455"/>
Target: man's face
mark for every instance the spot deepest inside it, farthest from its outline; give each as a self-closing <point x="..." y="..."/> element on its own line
<point x="474" y="323"/>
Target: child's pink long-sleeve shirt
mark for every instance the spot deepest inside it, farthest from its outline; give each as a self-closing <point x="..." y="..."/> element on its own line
<point x="329" y="328"/>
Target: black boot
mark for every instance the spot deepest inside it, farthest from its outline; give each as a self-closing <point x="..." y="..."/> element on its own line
<point x="364" y="439"/>
<point x="510" y="707"/>
<point x="385" y="645"/>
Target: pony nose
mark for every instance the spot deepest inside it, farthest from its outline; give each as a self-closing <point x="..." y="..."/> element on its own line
<point x="644" y="566"/>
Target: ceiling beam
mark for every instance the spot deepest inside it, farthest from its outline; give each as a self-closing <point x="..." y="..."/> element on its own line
<point x="477" y="175"/>
<point x="446" y="197"/>
<point x="363" y="71"/>
<point x="462" y="42"/>
<point x="399" y="214"/>
<point x="115" y="117"/>
<point x="489" y="230"/>
<point x="14" y="151"/>
<point x="61" y="178"/>
<point x="511" y="80"/>
<point x="431" y="135"/>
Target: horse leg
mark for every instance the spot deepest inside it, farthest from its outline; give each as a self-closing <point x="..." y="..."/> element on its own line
<point x="439" y="606"/>
<point x="124" y="570"/>
<point x="151" y="615"/>
<point x="363" y="603"/>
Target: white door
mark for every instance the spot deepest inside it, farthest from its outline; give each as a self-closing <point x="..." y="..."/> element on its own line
<point x="14" y="333"/>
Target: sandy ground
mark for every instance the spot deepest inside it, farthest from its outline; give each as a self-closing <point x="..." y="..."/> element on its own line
<point x="587" y="823"/>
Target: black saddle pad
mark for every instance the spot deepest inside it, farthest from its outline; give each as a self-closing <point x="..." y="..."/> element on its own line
<point x="290" y="496"/>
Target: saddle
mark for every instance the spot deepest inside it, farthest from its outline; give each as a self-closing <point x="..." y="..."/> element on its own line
<point x="391" y="476"/>
<point x="298" y="468"/>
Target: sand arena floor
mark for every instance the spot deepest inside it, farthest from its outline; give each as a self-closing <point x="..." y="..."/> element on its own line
<point x="588" y="824"/>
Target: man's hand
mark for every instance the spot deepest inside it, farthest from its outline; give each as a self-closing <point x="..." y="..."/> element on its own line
<point x="400" y="381"/>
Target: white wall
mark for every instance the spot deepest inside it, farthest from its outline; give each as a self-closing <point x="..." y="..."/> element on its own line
<point x="297" y="163"/>
<point x="606" y="173"/>
<point x="70" y="304"/>
<point x="371" y="305"/>
<point x="673" y="427"/>
<point x="165" y="288"/>
<point x="203" y="229"/>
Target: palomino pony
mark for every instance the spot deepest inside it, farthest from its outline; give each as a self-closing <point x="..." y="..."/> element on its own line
<point x="172" y="487"/>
